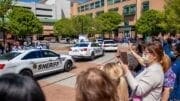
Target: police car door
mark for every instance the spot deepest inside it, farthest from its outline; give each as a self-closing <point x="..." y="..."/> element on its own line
<point x="54" y="63"/>
<point x="32" y="61"/>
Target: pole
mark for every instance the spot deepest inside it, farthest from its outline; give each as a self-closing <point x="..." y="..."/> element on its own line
<point x="82" y="31"/>
<point x="3" y="32"/>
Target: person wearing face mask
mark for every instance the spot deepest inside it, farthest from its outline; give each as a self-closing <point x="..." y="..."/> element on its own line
<point x="147" y="86"/>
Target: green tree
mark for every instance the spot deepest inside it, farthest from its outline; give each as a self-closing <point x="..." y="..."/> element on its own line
<point x="64" y="27"/>
<point x="83" y="24"/>
<point x="5" y="6"/>
<point x="108" y="21"/>
<point x="23" y="22"/>
<point x="171" y="22"/>
<point x="148" y="23"/>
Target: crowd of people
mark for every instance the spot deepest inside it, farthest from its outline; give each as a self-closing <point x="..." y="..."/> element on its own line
<point x="151" y="74"/>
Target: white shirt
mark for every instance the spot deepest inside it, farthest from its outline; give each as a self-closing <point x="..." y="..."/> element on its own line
<point x="149" y="83"/>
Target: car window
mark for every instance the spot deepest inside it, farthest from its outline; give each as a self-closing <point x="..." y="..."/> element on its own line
<point x="94" y="45"/>
<point x="32" y="55"/>
<point x="9" y="56"/>
<point x="49" y="54"/>
<point x="109" y="42"/>
<point x="82" y="45"/>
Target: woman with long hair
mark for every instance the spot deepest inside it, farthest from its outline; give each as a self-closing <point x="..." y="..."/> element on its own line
<point x="147" y="86"/>
<point x="95" y="85"/>
<point x="117" y="75"/>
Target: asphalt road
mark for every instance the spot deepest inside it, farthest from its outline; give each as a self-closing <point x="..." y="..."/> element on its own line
<point x="69" y="78"/>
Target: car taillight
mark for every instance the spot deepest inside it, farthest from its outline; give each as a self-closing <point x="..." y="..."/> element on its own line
<point x="2" y="66"/>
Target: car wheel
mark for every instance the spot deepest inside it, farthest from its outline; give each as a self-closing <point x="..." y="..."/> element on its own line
<point x="27" y="73"/>
<point x="92" y="56"/>
<point x="68" y="65"/>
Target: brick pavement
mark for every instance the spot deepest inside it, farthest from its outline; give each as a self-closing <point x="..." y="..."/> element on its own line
<point x="60" y="92"/>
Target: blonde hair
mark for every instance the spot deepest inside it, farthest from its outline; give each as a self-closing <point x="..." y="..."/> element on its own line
<point x="166" y="62"/>
<point x="116" y="73"/>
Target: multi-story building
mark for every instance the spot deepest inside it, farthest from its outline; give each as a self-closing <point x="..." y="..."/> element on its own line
<point x="48" y="11"/>
<point x="131" y="10"/>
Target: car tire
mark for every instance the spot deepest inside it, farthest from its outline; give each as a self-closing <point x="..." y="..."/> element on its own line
<point x="27" y="73"/>
<point x="68" y="65"/>
<point x="92" y="56"/>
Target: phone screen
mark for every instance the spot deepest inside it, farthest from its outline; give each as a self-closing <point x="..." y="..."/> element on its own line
<point x="124" y="57"/>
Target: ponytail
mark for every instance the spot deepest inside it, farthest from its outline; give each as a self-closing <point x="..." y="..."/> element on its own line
<point x="165" y="62"/>
<point x="123" y="89"/>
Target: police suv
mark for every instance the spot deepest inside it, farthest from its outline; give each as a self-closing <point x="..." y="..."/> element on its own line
<point x="88" y="50"/>
<point x="34" y="62"/>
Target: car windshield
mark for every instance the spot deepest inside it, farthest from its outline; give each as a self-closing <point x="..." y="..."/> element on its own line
<point x="82" y="45"/>
<point x="9" y="56"/>
<point x="109" y="42"/>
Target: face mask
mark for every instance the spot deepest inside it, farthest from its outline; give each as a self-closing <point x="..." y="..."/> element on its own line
<point x="145" y="58"/>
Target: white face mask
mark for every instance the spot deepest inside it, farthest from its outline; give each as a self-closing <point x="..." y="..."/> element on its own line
<point x="145" y="58"/>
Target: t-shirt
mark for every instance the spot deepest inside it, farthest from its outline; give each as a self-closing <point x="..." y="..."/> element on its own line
<point x="169" y="78"/>
<point x="175" y="94"/>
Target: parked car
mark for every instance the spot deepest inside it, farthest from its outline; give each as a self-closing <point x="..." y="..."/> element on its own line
<point x="34" y="62"/>
<point x="109" y="45"/>
<point x="88" y="50"/>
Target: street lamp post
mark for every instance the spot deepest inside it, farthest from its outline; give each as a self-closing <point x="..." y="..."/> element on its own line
<point x="3" y="32"/>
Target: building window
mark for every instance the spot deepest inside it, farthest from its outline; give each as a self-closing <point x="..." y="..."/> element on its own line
<point x="145" y="6"/>
<point x="82" y="8"/>
<point x="129" y="10"/>
<point x="87" y="7"/>
<point x="102" y="3"/>
<point x="117" y="1"/>
<point x="132" y="9"/>
<point x="92" y="6"/>
<point x="97" y="4"/>
<point x="44" y="9"/>
<point x="110" y="2"/>
<point x="40" y="15"/>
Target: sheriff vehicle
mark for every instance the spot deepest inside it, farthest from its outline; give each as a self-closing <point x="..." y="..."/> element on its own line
<point x="34" y="62"/>
<point x="88" y="50"/>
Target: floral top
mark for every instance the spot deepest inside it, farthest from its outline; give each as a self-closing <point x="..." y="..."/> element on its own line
<point x="169" y="78"/>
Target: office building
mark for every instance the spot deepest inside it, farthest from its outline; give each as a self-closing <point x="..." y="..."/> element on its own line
<point x="131" y="10"/>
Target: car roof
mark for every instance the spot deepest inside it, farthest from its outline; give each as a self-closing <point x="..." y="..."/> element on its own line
<point x="29" y="50"/>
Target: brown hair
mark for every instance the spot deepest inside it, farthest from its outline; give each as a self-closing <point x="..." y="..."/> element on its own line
<point x="95" y="85"/>
<point x="116" y="73"/>
<point x="157" y="49"/>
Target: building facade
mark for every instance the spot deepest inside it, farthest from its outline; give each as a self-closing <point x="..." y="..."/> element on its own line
<point x="48" y="11"/>
<point x="131" y="10"/>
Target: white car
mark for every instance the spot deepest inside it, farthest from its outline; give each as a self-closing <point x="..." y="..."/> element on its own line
<point x="88" y="50"/>
<point x="109" y="45"/>
<point x="100" y="41"/>
<point x="34" y="62"/>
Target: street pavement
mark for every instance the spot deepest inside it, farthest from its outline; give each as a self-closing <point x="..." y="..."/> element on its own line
<point x="61" y="86"/>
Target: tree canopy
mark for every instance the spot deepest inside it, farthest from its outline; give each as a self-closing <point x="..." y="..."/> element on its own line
<point x="22" y="22"/>
<point x="64" y="27"/>
<point x="109" y="21"/>
<point x="149" y="22"/>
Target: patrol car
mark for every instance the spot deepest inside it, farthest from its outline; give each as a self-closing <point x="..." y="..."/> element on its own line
<point x="34" y="62"/>
<point x="88" y="50"/>
<point x="109" y="45"/>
